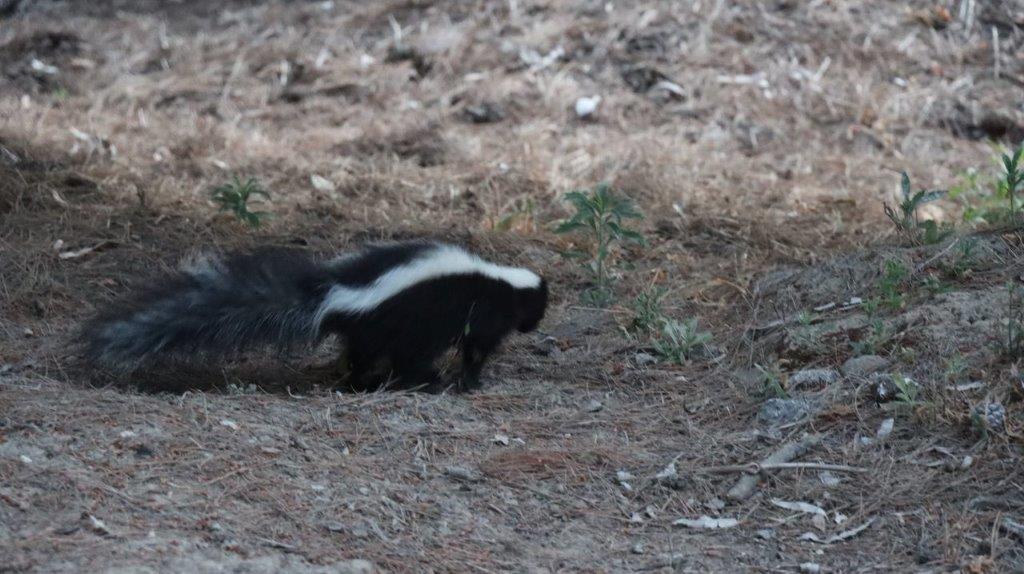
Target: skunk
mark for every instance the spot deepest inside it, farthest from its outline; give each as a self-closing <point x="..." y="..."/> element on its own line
<point x="404" y="303"/>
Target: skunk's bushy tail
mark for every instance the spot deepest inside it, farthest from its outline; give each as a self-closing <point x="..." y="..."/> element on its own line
<point x="213" y="306"/>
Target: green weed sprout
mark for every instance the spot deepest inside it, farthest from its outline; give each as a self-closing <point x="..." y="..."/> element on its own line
<point x="1013" y="178"/>
<point x="681" y="341"/>
<point x="235" y="196"/>
<point x="906" y="220"/>
<point x="600" y="215"/>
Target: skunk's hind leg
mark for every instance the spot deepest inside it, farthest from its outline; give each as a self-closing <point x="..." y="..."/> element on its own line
<point x="418" y="377"/>
<point x="360" y="366"/>
<point x="415" y="370"/>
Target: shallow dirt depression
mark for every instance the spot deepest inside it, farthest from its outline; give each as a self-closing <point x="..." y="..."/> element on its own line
<point x="759" y="139"/>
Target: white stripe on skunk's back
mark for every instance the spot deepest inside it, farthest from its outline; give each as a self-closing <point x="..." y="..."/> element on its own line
<point x="441" y="261"/>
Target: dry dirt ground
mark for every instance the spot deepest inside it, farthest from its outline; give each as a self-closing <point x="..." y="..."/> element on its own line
<point x="760" y="140"/>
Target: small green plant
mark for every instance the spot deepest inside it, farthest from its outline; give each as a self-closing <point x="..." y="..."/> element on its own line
<point x="681" y="341"/>
<point x="600" y="215"/>
<point x="1013" y="178"/>
<point x="235" y="196"/>
<point x="954" y="368"/>
<point x="979" y="425"/>
<point x="520" y="216"/>
<point x="773" y="383"/>
<point x="1013" y="342"/>
<point x="965" y="261"/>
<point x="994" y="198"/>
<point x="935" y="285"/>
<point x="875" y="339"/>
<point x="648" y="312"/>
<point x="906" y="219"/>
<point x="889" y="286"/>
<point x="672" y="340"/>
<point x="906" y="390"/>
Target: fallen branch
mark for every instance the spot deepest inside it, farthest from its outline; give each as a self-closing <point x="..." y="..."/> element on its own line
<point x="937" y="256"/>
<point x="838" y="537"/>
<point x="744" y="487"/>
<point x="758" y="467"/>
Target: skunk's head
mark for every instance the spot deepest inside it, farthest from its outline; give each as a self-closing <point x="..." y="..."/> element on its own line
<point x="532" y="304"/>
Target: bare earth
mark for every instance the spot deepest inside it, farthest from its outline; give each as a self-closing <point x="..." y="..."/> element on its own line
<point x="759" y="139"/>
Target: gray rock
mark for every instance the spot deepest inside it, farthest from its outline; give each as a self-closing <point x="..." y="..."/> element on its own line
<point x="828" y="479"/>
<point x="463" y="474"/>
<point x="776" y="412"/>
<point x="813" y="378"/>
<point x="864" y="365"/>
<point x="353" y="567"/>
<point x="334" y="526"/>
<point x="593" y="406"/>
<point x="485" y="113"/>
<point x="993" y="415"/>
<point x="644" y="359"/>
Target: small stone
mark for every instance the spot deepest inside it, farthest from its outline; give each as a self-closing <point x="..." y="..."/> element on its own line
<point x="813" y="378"/>
<point x="463" y="474"/>
<point x="594" y="406"/>
<point x="776" y="412"/>
<point x="484" y="113"/>
<point x="334" y="526"/>
<point x="765" y="534"/>
<point x="638" y="548"/>
<point x="353" y="567"/>
<point x="644" y="359"/>
<point x="810" y="568"/>
<point x="586" y="106"/>
<point x="322" y="183"/>
<point x="693" y="407"/>
<point x="864" y="365"/>
<point x="670" y="472"/>
<point x="828" y="479"/>
<point x="96" y="525"/>
<point x="992" y="414"/>
<point x="885" y="429"/>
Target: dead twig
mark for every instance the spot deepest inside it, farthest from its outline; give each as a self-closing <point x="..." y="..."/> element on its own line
<point x="936" y="257"/>
<point x="744" y="488"/>
<point x="758" y="467"/>
<point x="225" y="476"/>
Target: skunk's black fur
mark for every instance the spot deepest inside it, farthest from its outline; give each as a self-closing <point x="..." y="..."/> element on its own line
<point x="403" y="303"/>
